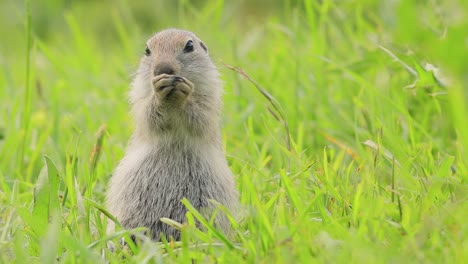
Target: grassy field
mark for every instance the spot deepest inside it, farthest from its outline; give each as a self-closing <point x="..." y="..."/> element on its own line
<point x="358" y="156"/>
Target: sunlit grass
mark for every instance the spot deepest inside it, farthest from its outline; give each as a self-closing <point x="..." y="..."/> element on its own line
<point x="344" y="123"/>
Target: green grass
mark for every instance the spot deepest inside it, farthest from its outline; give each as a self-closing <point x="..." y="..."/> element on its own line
<point x="359" y="155"/>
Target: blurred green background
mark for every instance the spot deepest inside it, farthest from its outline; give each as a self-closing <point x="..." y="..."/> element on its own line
<point x="373" y="94"/>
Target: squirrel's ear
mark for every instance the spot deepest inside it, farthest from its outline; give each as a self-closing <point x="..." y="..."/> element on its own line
<point x="203" y="46"/>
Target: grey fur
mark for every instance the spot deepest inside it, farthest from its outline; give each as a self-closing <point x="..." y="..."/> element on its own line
<point x="176" y="150"/>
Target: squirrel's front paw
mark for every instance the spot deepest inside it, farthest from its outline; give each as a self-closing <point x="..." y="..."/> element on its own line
<point x="172" y="88"/>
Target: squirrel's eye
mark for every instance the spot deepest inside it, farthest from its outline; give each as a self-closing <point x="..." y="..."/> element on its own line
<point x="147" y="51"/>
<point x="188" y="46"/>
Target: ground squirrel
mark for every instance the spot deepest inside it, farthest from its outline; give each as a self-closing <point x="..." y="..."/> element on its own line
<point x="176" y="150"/>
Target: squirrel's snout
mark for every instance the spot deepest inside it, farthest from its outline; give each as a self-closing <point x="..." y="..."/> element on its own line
<point x="162" y="68"/>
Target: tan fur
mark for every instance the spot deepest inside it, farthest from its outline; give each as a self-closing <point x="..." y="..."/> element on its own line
<point x="175" y="151"/>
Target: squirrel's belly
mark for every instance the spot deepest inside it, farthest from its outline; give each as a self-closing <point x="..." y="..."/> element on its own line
<point x="156" y="186"/>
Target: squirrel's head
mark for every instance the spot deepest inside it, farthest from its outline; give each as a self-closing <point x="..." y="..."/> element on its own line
<point x="181" y="53"/>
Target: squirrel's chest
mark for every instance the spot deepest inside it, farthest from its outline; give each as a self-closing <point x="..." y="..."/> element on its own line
<point x="170" y="167"/>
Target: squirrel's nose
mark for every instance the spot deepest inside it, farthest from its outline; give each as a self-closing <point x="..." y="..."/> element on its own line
<point x="163" y="68"/>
